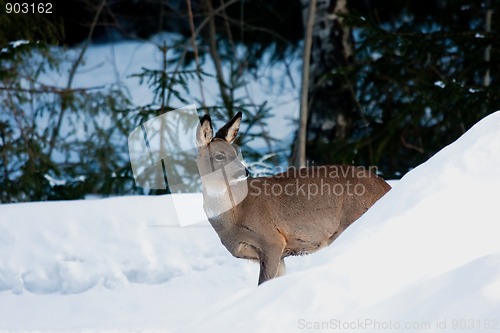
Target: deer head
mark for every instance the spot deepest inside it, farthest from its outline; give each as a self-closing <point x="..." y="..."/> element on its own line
<point x="218" y="162"/>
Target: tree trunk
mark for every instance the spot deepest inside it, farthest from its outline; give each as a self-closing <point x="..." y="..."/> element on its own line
<point x="299" y="154"/>
<point x="331" y="103"/>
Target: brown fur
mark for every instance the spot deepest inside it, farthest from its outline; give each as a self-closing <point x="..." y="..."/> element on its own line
<point x="282" y="215"/>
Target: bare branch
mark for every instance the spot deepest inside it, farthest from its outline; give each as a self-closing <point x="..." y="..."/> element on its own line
<point x="411" y="146"/>
<point x="72" y="73"/>
<point x="50" y="90"/>
<point x="300" y="148"/>
<point x="212" y="42"/>
<point x="195" y="50"/>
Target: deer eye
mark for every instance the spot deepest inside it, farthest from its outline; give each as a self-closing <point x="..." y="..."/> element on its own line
<point x="219" y="157"/>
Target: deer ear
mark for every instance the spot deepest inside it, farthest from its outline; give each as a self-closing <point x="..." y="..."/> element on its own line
<point x="229" y="131"/>
<point x="205" y="132"/>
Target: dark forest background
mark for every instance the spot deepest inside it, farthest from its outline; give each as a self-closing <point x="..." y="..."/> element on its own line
<point x="390" y="82"/>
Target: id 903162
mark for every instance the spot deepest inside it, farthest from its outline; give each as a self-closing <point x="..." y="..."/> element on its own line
<point x="28" y="8"/>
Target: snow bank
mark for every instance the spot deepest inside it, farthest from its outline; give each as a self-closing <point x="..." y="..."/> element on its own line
<point x="118" y="263"/>
<point x="425" y="258"/>
<point x="70" y="247"/>
<point x="427" y="251"/>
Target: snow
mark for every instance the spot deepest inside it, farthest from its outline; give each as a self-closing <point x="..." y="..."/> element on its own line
<point x="428" y="250"/>
<point x="118" y="263"/>
<point x="425" y="258"/>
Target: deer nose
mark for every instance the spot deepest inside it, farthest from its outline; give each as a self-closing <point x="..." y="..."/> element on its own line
<point x="241" y="173"/>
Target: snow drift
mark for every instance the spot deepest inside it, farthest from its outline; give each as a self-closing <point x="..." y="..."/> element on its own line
<point x="427" y="251"/>
<point x="425" y="258"/>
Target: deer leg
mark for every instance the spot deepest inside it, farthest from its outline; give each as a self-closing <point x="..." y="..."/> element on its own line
<point x="281" y="268"/>
<point x="271" y="263"/>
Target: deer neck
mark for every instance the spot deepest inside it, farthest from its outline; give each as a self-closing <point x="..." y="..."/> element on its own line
<point x="220" y="199"/>
<point x="214" y="202"/>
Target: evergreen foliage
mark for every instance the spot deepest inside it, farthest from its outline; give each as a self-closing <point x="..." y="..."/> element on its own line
<point x="418" y="80"/>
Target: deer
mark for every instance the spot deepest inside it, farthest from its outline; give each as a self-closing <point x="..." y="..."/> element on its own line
<point x="266" y="219"/>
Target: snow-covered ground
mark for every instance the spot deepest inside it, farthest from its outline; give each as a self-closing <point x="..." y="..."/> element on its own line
<point x="425" y="258"/>
<point x="122" y="263"/>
